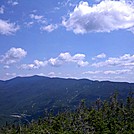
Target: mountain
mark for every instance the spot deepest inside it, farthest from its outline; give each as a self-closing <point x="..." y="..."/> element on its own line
<point x="31" y="96"/>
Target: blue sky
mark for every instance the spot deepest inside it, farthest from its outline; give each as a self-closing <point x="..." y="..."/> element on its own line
<point x="91" y="39"/>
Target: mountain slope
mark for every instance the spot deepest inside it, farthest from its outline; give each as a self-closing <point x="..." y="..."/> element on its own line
<point x="31" y="95"/>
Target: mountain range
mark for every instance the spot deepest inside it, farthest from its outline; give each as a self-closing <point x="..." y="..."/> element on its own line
<point x="29" y="97"/>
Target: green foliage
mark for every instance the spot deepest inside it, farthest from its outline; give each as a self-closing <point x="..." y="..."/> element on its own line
<point x="104" y="117"/>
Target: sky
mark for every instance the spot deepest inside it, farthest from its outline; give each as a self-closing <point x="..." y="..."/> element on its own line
<point x="91" y="39"/>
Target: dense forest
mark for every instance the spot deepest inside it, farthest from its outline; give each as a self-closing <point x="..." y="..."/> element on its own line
<point x="112" y="116"/>
<point x="29" y="97"/>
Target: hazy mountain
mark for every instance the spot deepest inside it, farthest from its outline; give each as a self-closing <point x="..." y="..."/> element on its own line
<point x="32" y="95"/>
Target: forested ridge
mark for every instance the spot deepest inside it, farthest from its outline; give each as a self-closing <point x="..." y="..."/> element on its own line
<point x="112" y="116"/>
<point x="30" y="96"/>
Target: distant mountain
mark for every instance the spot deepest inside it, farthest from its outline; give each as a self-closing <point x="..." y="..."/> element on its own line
<point x="33" y="95"/>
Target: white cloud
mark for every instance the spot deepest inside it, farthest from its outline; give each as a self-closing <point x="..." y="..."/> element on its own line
<point x="126" y="60"/>
<point x="100" y="56"/>
<point x="36" y="65"/>
<point x="2" y="10"/>
<point x="82" y="63"/>
<point x="39" y="63"/>
<point x="117" y="72"/>
<point x="65" y="3"/>
<point x="7" y="28"/>
<point x="13" y="55"/>
<point x="58" y="61"/>
<point x="29" y="24"/>
<point x="11" y="74"/>
<point x="78" y="57"/>
<point x="27" y="66"/>
<point x="51" y="74"/>
<point x="13" y="3"/>
<point x="55" y="62"/>
<point x="49" y="28"/>
<point x="41" y="74"/>
<point x="38" y="18"/>
<point x="106" y="16"/>
<point x="67" y="58"/>
<point x="6" y="67"/>
<point x="92" y="72"/>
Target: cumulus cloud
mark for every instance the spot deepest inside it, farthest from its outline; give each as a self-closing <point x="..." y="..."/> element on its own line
<point x="126" y="60"/>
<point x="36" y="65"/>
<point x="82" y="63"/>
<point x="63" y="58"/>
<point x="106" y="16"/>
<point x="55" y="62"/>
<point x="7" y="28"/>
<point x="27" y="66"/>
<point x="67" y="58"/>
<point x="13" y="55"/>
<point x="78" y="57"/>
<point x="49" y="28"/>
<point x="100" y="56"/>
